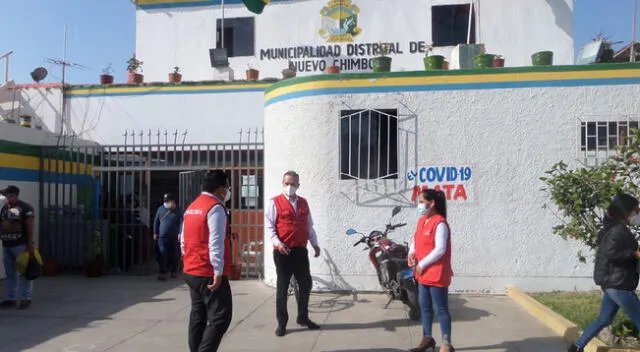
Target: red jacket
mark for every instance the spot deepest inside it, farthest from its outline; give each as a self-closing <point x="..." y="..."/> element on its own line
<point x="439" y="273"/>
<point x="196" y="239"/>
<point x="292" y="227"/>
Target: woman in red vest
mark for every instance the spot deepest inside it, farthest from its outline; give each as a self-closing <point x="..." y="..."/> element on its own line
<point x="430" y="254"/>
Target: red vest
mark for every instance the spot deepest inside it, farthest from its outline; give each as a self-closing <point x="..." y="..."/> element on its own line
<point x="196" y="239"/>
<point x="439" y="273"/>
<point x="292" y="227"/>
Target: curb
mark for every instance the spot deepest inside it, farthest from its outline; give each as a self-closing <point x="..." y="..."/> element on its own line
<point x="559" y="324"/>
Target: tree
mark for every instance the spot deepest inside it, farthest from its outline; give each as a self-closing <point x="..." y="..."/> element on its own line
<point x="581" y="196"/>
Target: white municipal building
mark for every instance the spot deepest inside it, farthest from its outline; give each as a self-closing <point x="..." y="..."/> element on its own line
<point x="364" y="142"/>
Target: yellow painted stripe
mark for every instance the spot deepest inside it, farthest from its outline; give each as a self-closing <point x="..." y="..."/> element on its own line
<point x="559" y="324"/>
<point x="451" y="79"/>
<point x="19" y="161"/>
<point x="32" y="163"/>
<point x="145" y="89"/>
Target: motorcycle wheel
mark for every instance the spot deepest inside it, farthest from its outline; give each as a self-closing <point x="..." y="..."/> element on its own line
<point x="413" y="304"/>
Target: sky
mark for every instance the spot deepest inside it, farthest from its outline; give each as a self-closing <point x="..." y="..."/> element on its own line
<point x="102" y="32"/>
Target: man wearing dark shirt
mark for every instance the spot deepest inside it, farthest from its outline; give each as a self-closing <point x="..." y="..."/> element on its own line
<point x="16" y="232"/>
<point x="166" y="228"/>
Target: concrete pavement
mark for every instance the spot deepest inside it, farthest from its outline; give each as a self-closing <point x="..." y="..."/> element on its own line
<point x="126" y="314"/>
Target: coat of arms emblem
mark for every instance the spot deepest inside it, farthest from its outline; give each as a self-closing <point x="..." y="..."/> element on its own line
<point x="340" y="21"/>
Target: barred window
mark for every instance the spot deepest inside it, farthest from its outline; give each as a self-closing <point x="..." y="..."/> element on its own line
<point x="605" y="135"/>
<point x="369" y="144"/>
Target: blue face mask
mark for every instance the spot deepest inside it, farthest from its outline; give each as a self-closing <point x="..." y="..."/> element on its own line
<point x="422" y="209"/>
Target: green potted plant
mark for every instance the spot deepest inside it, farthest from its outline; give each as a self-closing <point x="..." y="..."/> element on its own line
<point x="483" y="60"/>
<point x="290" y="71"/>
<point x="382" y="63"/>
<point x="93" y="266"/>
<point x="498" y="61"/>
<point x="433" y="62"/>
<point x="252" y="74"/>
<point x="542" y="58"/>
<point x="134" y="66"/>
<point x="106" y="77"/>
<point x="175" y="76"/>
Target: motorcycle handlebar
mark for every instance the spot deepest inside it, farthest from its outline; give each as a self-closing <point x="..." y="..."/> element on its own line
<point x="393" y="227"/>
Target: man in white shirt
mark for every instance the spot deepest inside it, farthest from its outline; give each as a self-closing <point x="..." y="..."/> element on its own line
<point x="288" y="222"/>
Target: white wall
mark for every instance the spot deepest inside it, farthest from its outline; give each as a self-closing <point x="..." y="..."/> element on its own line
<point x="206" y="118"/>
<point x="183" y="36"/>
<point x="510" y="137"/>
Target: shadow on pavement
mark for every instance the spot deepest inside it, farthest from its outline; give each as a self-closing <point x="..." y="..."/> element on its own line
<point x="527" y="345"/>
<point x="458" y="307"/>
<point x="370" y="350"/>
<point x="65" y="304"/>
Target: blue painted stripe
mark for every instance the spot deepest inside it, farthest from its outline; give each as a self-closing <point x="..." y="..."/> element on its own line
<point x="195" y="4"/>
<point x="168" y="92"/>
<point x="460" y="86"/>
<point x="26" y="175"/>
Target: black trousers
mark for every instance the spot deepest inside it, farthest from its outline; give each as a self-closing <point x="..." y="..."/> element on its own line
<point x="296" y="263"/>
<point x="211" y="313"/>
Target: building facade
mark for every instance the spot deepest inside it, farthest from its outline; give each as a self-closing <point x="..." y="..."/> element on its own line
<point x="365" y="144"/>
<point x="314" y="34"/>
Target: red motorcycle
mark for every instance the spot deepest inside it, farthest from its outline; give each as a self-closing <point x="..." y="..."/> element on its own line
<point x="390" y="261"/>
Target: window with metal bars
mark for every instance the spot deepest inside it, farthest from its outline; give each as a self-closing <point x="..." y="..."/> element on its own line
<point x="369" y="144"/>
<point x="605" y="135"/>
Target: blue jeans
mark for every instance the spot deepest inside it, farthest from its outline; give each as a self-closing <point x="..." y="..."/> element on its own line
<point x="612" y="301"/>
<point x="438" y="296"/>
<point x="168" y="254"/>
<point x="14" y="280"/>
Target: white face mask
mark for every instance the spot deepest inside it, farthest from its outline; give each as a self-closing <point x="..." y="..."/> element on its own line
<point x="227" y="197"/>
<point x="422" y="209"/>
<point x="289" y="190"/>
<point x="168" y="205"/>
<point x="635" y="221"/>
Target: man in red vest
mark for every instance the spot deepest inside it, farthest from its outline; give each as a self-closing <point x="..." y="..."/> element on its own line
<point x="206" y="257"/>
<point x="288" y="222"/>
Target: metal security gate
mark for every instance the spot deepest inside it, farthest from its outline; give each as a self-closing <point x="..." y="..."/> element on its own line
<point x="100" y="201"/>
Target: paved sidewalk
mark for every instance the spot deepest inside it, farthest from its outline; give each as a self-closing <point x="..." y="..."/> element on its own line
<point x="126" y="314"/>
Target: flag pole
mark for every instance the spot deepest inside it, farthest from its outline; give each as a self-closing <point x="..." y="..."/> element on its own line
<point x="470" y="18"/>
<point x="632" y="53"/>
<point x="222" y="25"/>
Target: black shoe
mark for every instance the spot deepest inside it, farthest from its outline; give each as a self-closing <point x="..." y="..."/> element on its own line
<point x="308" y="323"/>
<point x="281" y="331"/>
<point x="24" y="304"/>
<point x="574" y="348"/>
<point x="8" y="304"/>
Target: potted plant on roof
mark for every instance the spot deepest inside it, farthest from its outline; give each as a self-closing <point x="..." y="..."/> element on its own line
<point x="106" y="77"/>
<point x="483" y="60"/>
<point x="134" y="66"/>
<point x="333" y="69"/>
<point x="175" y="76"/>
<point x="433" y="62"/>
<point x="93" y="266"/>
<point x="498" y="61"/>
<point x="382" y="63"/>
<point x="252" y="74"/>
<point x="542" y="58"/>
<point x="290" y="71"/>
